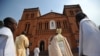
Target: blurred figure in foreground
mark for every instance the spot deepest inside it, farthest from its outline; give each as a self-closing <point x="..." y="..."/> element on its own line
<point x="89" y="36"/>
<point x="7" y="46"/>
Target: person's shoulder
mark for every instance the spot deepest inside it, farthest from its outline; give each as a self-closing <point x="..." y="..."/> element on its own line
<point x="37" y="47"/>
<point x="23" y="36"/>
<point x="17" y="38"/>
<point x="85" y="19"/>
<point x="58" y="35"/>
<point x="5" y="30"/>
<point x="53" y="37"/>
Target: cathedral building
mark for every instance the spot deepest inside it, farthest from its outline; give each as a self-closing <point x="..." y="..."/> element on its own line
<point x="40" y="28"/>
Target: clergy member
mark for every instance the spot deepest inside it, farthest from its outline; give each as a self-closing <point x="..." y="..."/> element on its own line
<point x="89" y="36"/>
<point x="59" y="45"/>
<point x="36" y="51"/>
<point x="22" y="43"/>
<point x="7" y="46"/>
<point x="27" y="51"/>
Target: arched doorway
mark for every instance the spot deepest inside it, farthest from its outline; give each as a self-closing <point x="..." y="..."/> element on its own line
<point x="42" y="46"/>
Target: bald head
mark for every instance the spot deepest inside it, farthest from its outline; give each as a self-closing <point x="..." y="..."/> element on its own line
<point x="1" y="23"/>
<point x="58" y="31"/>
<point x="79" y="16"/>
<point x="24" y="32"/>
<point x="10" y="23"/>
<point x="9" y="20"/>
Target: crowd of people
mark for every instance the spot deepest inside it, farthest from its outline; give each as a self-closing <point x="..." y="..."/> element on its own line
<point x="89" y="36"/>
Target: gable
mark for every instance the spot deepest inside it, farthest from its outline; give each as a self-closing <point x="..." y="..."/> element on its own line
<point x="51" y="15"/>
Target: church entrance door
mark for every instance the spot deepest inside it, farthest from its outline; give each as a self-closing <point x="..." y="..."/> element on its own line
<point x="42" y="45"/>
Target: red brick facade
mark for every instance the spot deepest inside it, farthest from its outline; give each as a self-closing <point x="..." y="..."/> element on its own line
<point x="40" y="28"/>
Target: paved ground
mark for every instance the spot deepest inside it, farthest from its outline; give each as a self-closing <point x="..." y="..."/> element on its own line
<point x="75" y="54"/>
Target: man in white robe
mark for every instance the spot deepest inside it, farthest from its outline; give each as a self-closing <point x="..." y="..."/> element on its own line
<point x="89" y="38"/>
<point x="36" y="51"/>
<point x="59" y="45"/>
<point x="7" y="46"/>
<point x="27" y="52"/>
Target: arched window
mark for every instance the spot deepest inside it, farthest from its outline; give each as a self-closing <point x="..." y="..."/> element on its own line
<point x="46" y="25"/>
<point x="52" y="24"/>
<point x="27" y="26"/>
<point x="58" y="24"/>
<point x="32" y="15"/>
<point x="65" y="24"/>
<point x="42" y="46"/>
<point x="27" y="16"/>
<point x="71" y="12"/>
<point x="40" y="25"/>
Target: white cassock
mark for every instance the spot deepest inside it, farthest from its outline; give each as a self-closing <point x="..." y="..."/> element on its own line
<point x="7" y="46"/>
<point x="36" y="51"/>
<point x="27" y="52"/>
<point x="59" y="46"/>
<point x="89" y="39"/>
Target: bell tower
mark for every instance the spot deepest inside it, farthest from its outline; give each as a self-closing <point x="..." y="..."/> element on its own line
<point x="70" y="12"/>
<point x="30" y="13"/>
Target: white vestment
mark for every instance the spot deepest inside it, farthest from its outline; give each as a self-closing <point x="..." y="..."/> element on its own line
<point x="36" y="51"/>
<point x="27" y="52"/>
<point x="59" y="46"/>
<point x="89" y="39"/>
<point x="7" y="46"/>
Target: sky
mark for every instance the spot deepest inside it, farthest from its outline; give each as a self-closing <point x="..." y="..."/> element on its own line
<point x="14" y="8"/>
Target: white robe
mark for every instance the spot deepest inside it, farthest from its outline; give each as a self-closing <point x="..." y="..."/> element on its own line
<point x="36" y="51"/>
<point x="59" y="46"/>
<point x="89" y="39"/>
<point x="27" y="52"/>
<point x="7" y="42"/>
